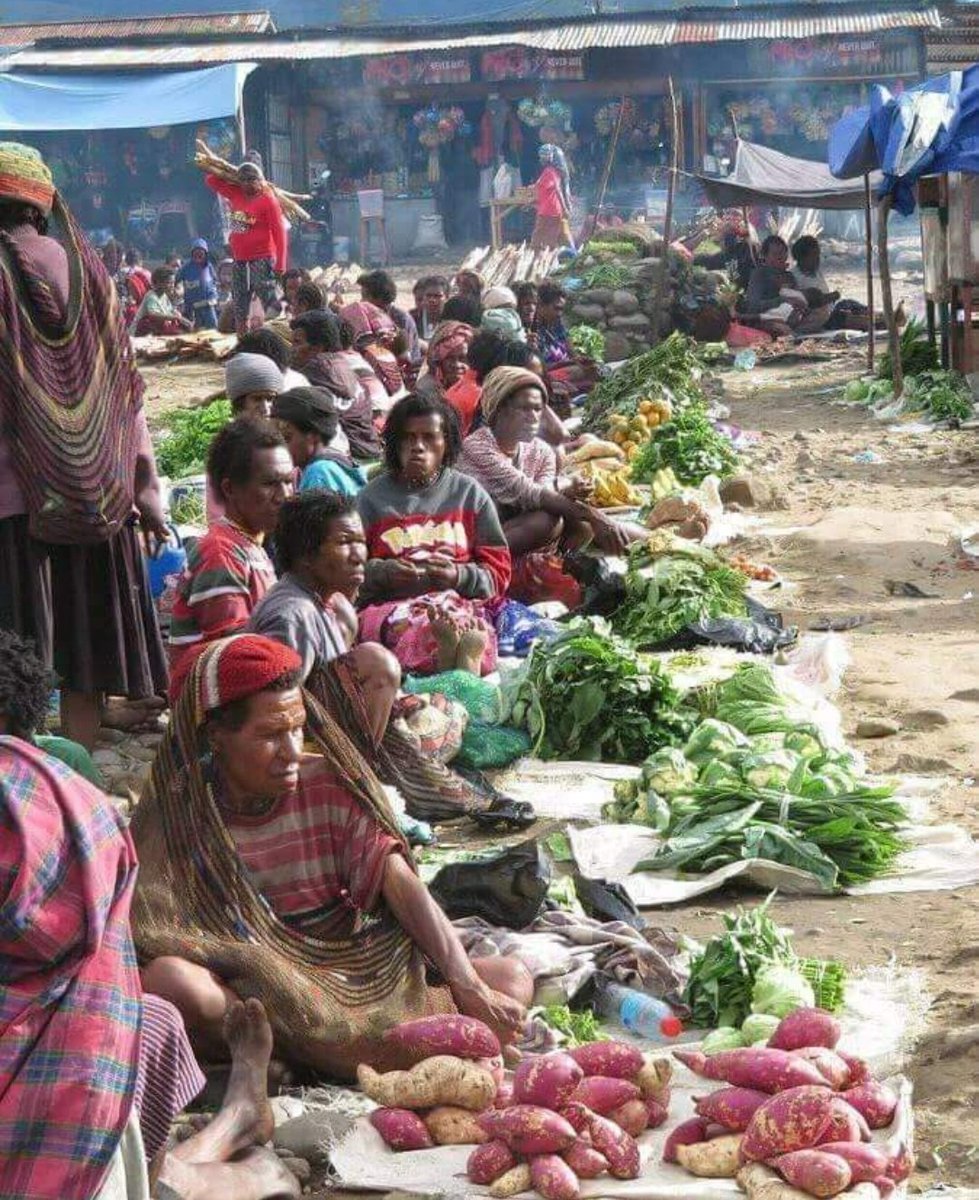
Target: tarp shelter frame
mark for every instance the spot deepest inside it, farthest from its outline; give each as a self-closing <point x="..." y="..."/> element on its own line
<point x="761" y="176"/>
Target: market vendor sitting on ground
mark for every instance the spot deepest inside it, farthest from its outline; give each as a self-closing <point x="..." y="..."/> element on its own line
<point x="378" y="288"/>
<point x="318" y="351"/>
<point x="252" y="382"/>
<point x="518" y="469"/>
<point x="445" y="359"/>
<point x="322" y="550"/>
<point x="500" y="314"/>
<point x="774" y="300"/>
<point x="309" y="421"/>
<point x="570" y="373"/>
<point x="258" y="240"/>
<point x="260" y="863"/>
<point x="434" y="291"/>
<point x="810" y="280"/>
<point x="375" y="334"/>
<point x="228" y="570"/>
<point x="157" y="313"/>
<point x="437" y="552"/>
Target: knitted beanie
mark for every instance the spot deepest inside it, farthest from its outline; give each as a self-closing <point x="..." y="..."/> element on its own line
<point x="499" y="297"/>
<point x="231" y="669"/>
<point x="247" y="373"/>
<point x="25" y="176"/>
<point x="500" y="384"/>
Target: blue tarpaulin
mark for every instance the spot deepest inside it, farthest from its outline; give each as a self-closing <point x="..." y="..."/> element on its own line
<point x="43" y="103"/>
<point x="927" y="130"/>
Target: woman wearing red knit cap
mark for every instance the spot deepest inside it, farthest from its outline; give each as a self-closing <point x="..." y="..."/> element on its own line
<point x="77" y="472"/>
<point x="272" y="872"/>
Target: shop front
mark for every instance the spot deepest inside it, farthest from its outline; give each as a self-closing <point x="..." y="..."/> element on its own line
<point x="787" y="94"/>
<point x="441" y="133"/>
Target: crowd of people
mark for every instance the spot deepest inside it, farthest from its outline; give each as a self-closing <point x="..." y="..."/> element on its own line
<point x="372" y="505"/>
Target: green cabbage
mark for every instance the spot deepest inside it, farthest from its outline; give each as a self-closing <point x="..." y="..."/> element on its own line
<point x="779" y="990"/>
<point x="765" y="743"/>
<point x="758" y="1028"/>
<point x="713" y="739"/>
<point x="804" y="742"/>
<point x="725" y="1038"/>
<point x="719" y="774"/>
<point x="772" y="770"/>
<point x="658" y="812"/>
<point x="668" y="772"/>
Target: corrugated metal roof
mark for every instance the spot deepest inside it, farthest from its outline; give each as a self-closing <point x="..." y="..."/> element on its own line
<point x="572" y="36"/>
<point x="234" y="23"/>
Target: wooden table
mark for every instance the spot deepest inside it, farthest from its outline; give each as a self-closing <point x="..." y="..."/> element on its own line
<point x="501" y="209"/>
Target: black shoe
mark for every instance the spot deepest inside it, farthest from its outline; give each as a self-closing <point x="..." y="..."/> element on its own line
<point x="505" y="813"/>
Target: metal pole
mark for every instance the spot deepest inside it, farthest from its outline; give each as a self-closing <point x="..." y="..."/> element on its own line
<point x="869" y="245"/>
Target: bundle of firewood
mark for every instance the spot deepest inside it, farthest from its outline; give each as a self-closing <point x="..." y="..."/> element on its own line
<point x="208" y="161"/>
<point x="510" y="264"/>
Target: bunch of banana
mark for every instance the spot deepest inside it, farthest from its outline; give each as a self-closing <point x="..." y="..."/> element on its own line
<point x="612" y="489"/>
<point x="664" y="483"/>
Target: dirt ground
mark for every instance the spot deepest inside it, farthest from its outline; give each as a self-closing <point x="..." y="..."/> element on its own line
<point x="916" y="661"/>
<point x="853" y="526"/>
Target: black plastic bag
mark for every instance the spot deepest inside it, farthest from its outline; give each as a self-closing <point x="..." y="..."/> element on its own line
<point x="761" y="632"/>
<point x="508" y="890"/>
<point x="606" y="901"/>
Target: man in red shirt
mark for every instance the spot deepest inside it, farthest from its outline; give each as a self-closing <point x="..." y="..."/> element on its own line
<point x="259" y="245"/>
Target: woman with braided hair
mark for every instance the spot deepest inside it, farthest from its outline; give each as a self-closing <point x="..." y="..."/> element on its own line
<point x="270" y="872"/>
<point x="77" y="472"/>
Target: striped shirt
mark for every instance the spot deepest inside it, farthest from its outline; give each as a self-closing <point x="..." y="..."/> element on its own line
<point x="226" y="575"/>
<point x="517" y="482"/>
<point x="316" y="849"/>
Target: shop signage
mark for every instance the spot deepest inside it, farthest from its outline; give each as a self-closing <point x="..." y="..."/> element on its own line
<point x="400" y="70"/>
<point x="810" y="55"/>
<point x="520" y="62"/>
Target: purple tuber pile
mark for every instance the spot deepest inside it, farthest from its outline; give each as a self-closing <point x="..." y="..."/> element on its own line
<point x="564" y="1117"/>
<point x="794" y="1112"/>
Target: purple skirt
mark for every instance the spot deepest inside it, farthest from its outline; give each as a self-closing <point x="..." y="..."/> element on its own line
<point x="87" y="609"/>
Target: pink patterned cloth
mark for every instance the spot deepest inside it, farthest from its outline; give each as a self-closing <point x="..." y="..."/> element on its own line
<point x="405" y="628"/>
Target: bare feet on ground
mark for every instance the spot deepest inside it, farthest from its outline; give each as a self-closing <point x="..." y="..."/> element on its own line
<point x="472" y="647"/>
<point x="249" y="1038"/>
<point x="446" y="631"/>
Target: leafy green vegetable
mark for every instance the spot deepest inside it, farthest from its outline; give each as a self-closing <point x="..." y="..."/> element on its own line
<point x="772" y="770"/>
<point x="606" y="275"/>
<point x="577" y="1027"/>
<point x="668" y="772"/>
<point x="672" y="370"/>
<point x="183" y="450"/>
<point x="587" y="341"/>
<point x="780" y="989"/>
<point x="591" y="696"/>
<point x="917" y="352"/>
<point x="722" y="975"/>
<point x="688" y="444"/>
<point x="842" y="840"/>
<point x="757" y="1028"/>
<point x="828" y="982"/>
<point x="671" y="592"/>
<point x="725" y="1037"/>
<point x="941" y="395"/>
<point x="713" y="739"/>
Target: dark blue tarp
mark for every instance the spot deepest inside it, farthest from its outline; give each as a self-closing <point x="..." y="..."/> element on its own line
<point x="927" y="130"/>
<point x="75" y="100"/>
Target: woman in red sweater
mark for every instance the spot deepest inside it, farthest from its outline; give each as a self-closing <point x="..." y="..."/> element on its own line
<point x="258" y="241"/>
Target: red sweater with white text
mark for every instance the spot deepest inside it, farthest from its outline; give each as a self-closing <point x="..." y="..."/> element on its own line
<point x="258" y="227"/>
<point x="452" y="516"/>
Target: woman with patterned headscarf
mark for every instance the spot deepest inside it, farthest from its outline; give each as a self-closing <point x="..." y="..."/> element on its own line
<point x="77" y="471"/>
<point x="271" y="872"/>
<point x="552" y="229"/>
<point x="374" y="336"/>
<point x="446" y="358"/>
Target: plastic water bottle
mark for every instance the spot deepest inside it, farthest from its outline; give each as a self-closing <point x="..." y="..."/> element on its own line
<point x="639" y="1013"/>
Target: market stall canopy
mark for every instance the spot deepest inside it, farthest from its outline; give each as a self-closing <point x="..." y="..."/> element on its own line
<point x="763" y="176"/>
<point x="44" y="103"/>
<point x="926" y="130"/>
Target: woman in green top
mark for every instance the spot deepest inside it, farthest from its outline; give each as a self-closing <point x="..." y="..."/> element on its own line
<point x="25" y="686"/>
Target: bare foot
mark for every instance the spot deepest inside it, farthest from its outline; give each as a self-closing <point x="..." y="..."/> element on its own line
<point x="272" y="1178"/>
<point x="249" y="1036"/>
<point x="472" y="647"/>
<point x="255" y="1175"/>
<point x="446" y="633"/>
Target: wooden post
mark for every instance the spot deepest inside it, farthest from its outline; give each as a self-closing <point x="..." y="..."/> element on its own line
<point x="893" y="333"/>
<point x="664" y="273"/>
<point x="609" y="159"/>
<point x="869" y="244"/>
